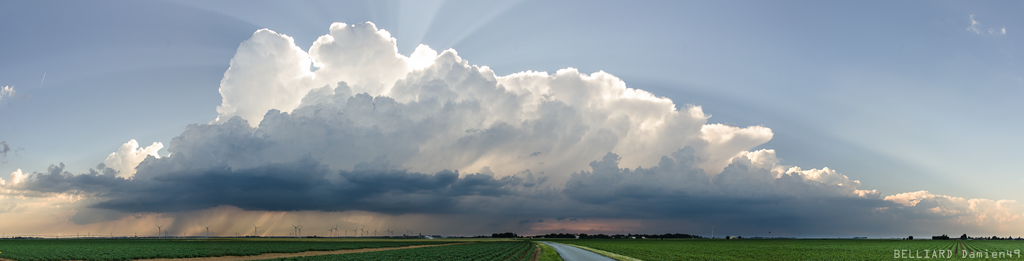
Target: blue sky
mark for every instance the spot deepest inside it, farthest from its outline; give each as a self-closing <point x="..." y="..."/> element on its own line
<point x="903" y="96"/>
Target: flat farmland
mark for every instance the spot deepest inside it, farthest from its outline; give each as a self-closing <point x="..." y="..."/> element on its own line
<point x="805" y="249"/>
<point x="482" y="251"/>
<point x="126" y="249"/>
<point x="502" y="249"/>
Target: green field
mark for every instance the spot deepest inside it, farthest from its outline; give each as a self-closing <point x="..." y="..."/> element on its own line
<point x="800" y="249"/>
<point x="485" y="251"/>
<point x="499" y="249"/>
<point x="124" y="249"/>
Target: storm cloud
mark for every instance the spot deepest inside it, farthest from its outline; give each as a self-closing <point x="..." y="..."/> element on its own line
<point x="304" y="184"/>
<point x="372" y="130"/>
<point x="749" y="193"/>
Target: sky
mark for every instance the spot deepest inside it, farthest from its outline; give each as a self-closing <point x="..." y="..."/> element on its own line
<point x="804" y="118"/>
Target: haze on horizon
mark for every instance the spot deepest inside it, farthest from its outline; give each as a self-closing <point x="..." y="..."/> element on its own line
<point x="788" y="118"/>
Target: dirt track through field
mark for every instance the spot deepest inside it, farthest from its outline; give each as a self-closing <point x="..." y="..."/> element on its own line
<point x="536" y="252"/>
<point x="283" y="255"/>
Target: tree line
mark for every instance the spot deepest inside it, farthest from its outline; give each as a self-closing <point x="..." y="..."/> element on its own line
<point x="965" y="237"/>
<point x="597" y="236"/>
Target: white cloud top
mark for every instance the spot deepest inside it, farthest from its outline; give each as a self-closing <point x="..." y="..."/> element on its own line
<point x="999" y="215"/>
<point x="129" y="155"/>
<point x="17" y="177"/>
<point x="555" y="123"/>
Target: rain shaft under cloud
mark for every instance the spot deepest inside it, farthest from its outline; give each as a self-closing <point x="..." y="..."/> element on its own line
<point x="372" y="130"/>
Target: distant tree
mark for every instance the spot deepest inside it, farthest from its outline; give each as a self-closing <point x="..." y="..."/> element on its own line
<point x="995" y="238"/>
<point x="964" y="237"/>
<point x="504" y="235"/>
<point x="910" y="237"/>
<point x="942" y="237"/>
<point x="559" y="235"/>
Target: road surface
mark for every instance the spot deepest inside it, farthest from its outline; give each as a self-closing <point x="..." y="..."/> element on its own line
<point x="571" y="253"/>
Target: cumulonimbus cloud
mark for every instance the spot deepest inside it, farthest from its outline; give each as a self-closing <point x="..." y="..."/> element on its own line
<point x="370" y="129"/>
<point x="435" y="111"/>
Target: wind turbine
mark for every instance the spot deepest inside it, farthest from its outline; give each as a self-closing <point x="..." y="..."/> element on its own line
<point x="295" y="231"/>
<point x="353" y="232"/>
<point x="336" y="229"/>
<point x="362" y="232"/>
<point x="374" y="231"/>
<point x="207" y="231"/>
<point x="255" y="230"/>
<point x="390" y="232"/>
<point x="158" y="227"/>
<point x="712" y="232"/>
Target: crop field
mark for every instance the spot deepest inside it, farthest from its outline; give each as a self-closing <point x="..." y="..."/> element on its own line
<point x="499" y="249"/>
<point x="125" y="249"/>
<point x="806" y="249"/>
<point x="484" y="251"/>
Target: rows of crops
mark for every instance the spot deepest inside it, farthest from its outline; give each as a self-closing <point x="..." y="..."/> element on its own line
<point x="125" y="249"/>
<point x="497" y="251"/>
<point x="794" y="249"/>
<point x="805" y="249"/>
<point x="989" y="249"/>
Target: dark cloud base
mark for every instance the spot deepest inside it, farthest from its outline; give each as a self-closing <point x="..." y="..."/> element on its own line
<point x="674" y="190"/>
<point x="233" y="164"/>
<point x="303" y="185"/>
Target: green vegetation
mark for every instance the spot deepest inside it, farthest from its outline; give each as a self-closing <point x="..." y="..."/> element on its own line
<point x="494" y="250"/>
<point x="609" y="254"/>
<point x="124" y="249"/>
<point x="548" y="253"/>
<point x="530" y="249"/>
<point x="802" y="249"/>
<point x="503" y="249"/>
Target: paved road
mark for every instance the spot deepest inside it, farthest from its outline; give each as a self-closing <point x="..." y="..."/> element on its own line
<point x="571" y="253"/>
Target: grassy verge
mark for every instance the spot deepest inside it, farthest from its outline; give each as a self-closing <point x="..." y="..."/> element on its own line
<point x="548" y="253"/>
